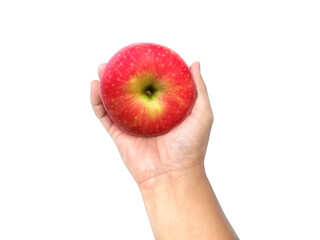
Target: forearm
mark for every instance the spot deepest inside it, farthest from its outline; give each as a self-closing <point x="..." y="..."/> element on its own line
<point x="182" y="205"/>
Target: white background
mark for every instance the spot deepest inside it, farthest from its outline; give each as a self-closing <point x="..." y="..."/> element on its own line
<point x="61" y="176"/>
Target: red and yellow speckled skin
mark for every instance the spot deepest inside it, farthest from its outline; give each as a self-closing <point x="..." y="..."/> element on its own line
<point x="128" y="75"/>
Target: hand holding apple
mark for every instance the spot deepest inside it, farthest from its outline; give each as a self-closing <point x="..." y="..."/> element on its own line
<point x="184" y="146"/>
<point x="169" y="170"/>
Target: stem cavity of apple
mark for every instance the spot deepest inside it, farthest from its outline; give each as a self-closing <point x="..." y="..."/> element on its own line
<point x="150" y="90"/>
<point x="149" y="93"/>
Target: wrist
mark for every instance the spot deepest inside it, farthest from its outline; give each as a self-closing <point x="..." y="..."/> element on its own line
<point x="182" y="205"/>
<point x="173" y="182"/>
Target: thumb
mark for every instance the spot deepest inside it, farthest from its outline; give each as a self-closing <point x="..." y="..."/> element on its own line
<point x="202" y="102"/>
<point x="195" y="71"/>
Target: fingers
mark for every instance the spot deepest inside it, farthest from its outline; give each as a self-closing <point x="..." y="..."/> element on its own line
<point x="101" y="68"/>
<point x="201" y="87"/>
<point x="97" y="105"/>
<point x="96" y="100"/>
<point x="202" y="104"/>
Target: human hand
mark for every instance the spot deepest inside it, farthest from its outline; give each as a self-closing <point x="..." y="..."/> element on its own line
<point x="170" y="172"/>
<point x="182" y="148"/>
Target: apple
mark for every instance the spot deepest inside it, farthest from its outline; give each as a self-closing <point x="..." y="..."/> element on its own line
<point x="147" y="89"/>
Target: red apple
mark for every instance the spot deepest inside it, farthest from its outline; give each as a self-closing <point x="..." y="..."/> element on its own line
<point x="147" y="89"/>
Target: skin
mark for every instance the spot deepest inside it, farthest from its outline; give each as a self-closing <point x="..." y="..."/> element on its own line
<point x="169" y="170"/>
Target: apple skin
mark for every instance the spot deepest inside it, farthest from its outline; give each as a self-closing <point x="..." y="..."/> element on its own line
<point x="147" y="89"/>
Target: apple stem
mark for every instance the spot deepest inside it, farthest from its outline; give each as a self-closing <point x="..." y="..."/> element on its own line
<point x="149" y="93"/>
